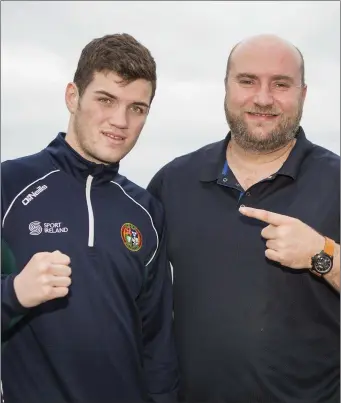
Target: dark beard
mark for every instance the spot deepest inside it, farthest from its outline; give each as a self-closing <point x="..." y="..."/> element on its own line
<point x="284" y="132"/>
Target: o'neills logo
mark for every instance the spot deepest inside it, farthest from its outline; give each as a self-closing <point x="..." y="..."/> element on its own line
<point x="34" y="194"/>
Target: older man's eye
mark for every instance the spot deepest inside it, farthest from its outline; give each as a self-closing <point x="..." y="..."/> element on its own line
<point x="281" y="85"/>
<point x="246" y="81"/>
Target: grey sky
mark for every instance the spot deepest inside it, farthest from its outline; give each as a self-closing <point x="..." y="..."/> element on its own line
<point x="42" y="41"/>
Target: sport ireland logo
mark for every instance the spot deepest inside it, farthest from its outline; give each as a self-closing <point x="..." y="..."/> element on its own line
<point x="36" y="228"/>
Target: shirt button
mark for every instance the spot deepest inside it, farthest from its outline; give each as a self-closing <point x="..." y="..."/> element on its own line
<point x="248" y="194"/>
<point x="238" y="185"/>
<point x="225" y="179"/>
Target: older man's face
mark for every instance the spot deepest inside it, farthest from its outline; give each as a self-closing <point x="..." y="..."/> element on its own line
<point x="264" y="95"/>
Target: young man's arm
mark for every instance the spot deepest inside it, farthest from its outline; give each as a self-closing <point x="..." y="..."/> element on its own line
<point x="23" y="288"/>
<point x="11" y="309"/>
<point x="45" y="277"/>
<point x="156" y="307"/>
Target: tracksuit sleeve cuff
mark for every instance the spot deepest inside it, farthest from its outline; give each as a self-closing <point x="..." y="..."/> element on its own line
<point x="9" y="298"/>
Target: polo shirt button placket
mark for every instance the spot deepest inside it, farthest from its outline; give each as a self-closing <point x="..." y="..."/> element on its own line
<point x="247" y="194"/>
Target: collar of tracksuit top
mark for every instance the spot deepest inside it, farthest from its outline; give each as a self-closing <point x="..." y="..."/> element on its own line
<point x="67" y="159"/>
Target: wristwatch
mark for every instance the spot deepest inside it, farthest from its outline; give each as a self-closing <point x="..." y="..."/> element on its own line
<point x="322" y="262"/>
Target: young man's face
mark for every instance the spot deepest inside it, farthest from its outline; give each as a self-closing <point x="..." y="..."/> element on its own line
<point x="107" y="120"/>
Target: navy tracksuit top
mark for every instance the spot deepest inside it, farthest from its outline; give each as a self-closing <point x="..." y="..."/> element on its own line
<point x="110" y="339"/>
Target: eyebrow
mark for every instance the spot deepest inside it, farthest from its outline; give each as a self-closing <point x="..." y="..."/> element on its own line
<point x="283" y="77"/>
<point x="275" y="77"/>
<point x="246" y="75"/>
<point x="111" y="96"/>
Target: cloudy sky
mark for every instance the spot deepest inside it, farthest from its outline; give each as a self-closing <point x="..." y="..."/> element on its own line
<point x="41" y="43"/>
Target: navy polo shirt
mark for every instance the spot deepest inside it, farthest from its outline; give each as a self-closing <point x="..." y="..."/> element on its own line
<point x="248" y="329"/>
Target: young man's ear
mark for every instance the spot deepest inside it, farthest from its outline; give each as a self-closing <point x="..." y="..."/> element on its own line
<point x="71" y="97"/>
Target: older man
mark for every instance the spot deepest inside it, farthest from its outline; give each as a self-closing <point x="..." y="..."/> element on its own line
<point x="253" y="236"/>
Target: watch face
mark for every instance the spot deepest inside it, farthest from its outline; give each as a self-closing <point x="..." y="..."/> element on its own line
<point x="322" y="263"/>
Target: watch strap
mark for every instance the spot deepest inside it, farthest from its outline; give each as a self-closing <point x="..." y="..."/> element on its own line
<point x="329" y="246"/>
<point x="316" y="273"/>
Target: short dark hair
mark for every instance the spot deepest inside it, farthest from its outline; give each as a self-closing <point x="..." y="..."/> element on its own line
<point x="229" y="60"/>
<point x="118" y="53"/>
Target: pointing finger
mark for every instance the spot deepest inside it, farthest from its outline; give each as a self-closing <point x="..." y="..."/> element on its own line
<point x="265" y="216"/>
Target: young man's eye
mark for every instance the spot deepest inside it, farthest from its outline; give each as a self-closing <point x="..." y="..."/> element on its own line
<point x="106" y="101"/>
<point x="137" y="109"/>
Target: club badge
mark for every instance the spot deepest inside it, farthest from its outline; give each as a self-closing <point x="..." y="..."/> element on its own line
<point x="131" y="237"/>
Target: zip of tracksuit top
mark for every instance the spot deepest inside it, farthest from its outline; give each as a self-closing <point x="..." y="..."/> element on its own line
<point x="110" y="339"/>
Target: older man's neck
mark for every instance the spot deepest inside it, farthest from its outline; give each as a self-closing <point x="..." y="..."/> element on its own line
<point x="251" y="167"/>
<point x="254" y="158"/>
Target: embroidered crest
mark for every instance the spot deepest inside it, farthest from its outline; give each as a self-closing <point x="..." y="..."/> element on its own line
<point x="131" y="237"/>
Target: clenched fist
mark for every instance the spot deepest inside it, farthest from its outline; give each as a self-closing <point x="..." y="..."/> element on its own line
<point x="46" y="276"/>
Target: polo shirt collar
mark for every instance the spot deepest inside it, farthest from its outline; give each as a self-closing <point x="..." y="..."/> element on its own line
<point x="292" y="165"/>
<point x="215" y="158"/>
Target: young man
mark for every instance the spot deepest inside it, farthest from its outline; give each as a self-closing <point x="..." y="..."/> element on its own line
<point x="86" y="297"/>
<point x="256" y="288"/>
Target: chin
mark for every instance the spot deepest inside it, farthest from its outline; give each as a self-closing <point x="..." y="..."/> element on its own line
<point x="112" y="159"/>
<point x="106" y="158"/>
<point x="111" y="155"/>
<point x="260" y="133"/>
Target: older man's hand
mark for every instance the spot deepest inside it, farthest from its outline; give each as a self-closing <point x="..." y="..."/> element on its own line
<point x="288" y="240"/>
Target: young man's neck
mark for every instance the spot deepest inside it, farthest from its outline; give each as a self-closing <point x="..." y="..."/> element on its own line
<point x="71" y="139"/>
